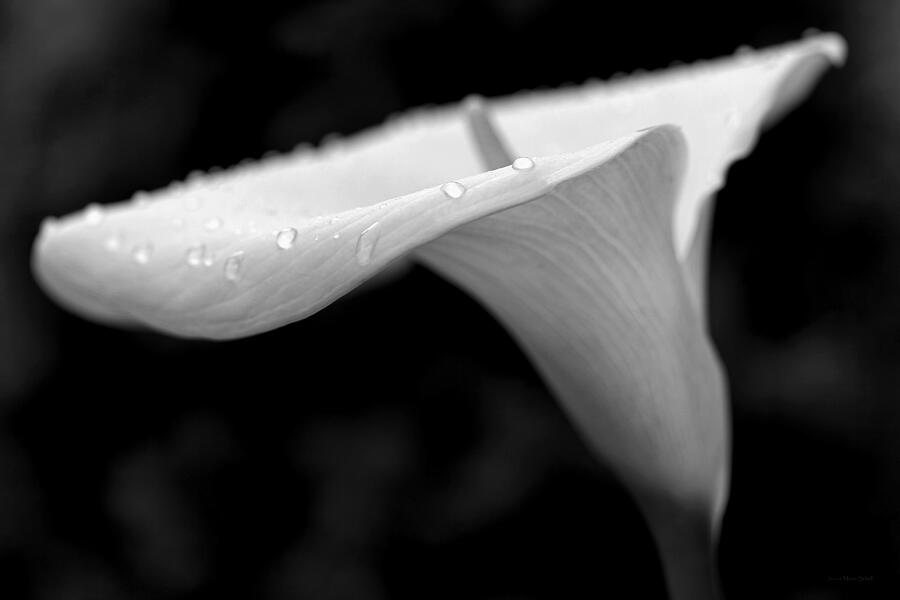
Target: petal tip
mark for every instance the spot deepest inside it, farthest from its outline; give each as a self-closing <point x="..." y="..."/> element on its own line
<point x="61" y="268"/>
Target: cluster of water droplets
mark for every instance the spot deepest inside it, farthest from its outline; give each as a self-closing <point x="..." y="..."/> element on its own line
<point x="456" y="190"/>
<point x="286" y="238"/>
<point x="198" y="256"/>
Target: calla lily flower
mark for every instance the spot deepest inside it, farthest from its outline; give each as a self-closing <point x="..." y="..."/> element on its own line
<point x="589" y="247"/>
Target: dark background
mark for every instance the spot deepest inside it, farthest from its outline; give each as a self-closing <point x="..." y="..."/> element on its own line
<point x="398" y="444"/>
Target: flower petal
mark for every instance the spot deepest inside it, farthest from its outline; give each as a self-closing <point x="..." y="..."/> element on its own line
<point x="720" y="106"/>
<point x="231" y="268"/>
<point x="586" y="279"/>
<point x="201" y="258"/>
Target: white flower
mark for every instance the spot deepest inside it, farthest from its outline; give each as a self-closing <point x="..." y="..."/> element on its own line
<point x="590" y="250"/>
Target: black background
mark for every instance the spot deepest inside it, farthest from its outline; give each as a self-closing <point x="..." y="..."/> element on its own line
<point x="398" y="444"/>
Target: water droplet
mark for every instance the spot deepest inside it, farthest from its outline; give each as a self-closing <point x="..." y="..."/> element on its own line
<point x="285" y="238"/>
<point x="93" y="214"/>
<point x="196" y="255"/>
<point x="523" y="164"/>
<point x="113" y="242"/>
<point x="233" y="266"/>
<point x="141" y="254"/>
<point x="208" y="260"/>
<point x="365" y="245"/>
<point x="743" y="50"/>
<point x="49" y="225"/>
<point x="331" y="141"/>
<point x="213" y="223"/>
<point x="336" y="236"/>
<point x="453" y="189"/>
<point x="714" y="181"/>
<point x="141" y="198"/>
<point x="811" y="32"/>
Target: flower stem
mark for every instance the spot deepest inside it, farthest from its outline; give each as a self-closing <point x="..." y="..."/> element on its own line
<point x="687" y="549"/>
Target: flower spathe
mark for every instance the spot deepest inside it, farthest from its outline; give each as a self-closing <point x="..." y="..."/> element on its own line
<point x="392" y="175"/>
<point x="582" y="249"/>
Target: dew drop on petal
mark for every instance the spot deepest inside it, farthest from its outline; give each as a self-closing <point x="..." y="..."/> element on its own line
<point x="453" y="189"/>
<point x="336" y="236"/>
<point x="113" y="242"/>
<point x="208" y="260"/>
<point x="523" y="164"/>
<point x="213" y="224"/>
<point x="233" y="266"/>
<point x="285" y="238"/>
<point x="714" y="181"/>
<point x="365" y="245"/>
<point x="49" y="225"/>
<point x="196" y="255"/>
<point x="93" y="214"/>
<point x="141" y="254"/>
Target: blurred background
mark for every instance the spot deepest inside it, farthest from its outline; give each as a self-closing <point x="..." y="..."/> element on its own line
<point x="433" y="463"/>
